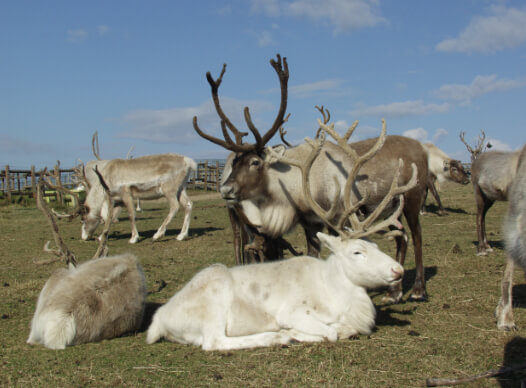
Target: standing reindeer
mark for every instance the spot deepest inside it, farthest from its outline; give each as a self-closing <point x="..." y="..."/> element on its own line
<point x="492" y="174"/>
<point x="442" y="168"/>
<point x="268" y="191"/>
<point x="100" y="299"/>
<point x="514" y="230"/>
<point x="147" y="177"/>
<point x="303" y="298"/>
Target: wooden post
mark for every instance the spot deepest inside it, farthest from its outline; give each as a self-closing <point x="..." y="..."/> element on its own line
<point x="33" y="182"/>
<point x="56" y="175"/>
<point x="206" y="175"/>
<point x="217" y="175"/>
<point x="8" y="183"/>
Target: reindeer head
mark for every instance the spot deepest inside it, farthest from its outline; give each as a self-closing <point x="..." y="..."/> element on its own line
<point x="250" y="161"/>
<point x="362" y="261"/>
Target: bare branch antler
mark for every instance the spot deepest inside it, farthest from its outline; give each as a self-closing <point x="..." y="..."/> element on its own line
<point x="326" y="118"/>
<point x="478" y="148"/>
<point x="281" y="68"/>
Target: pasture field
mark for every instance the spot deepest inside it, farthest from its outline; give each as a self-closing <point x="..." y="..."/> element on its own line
<point x="453" y="334"/>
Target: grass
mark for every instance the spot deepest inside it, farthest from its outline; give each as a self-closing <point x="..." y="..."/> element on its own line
<point x="452" y="335"/>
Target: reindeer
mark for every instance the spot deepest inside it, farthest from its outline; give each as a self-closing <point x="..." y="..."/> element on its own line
<point x="514" y="230"/>
<point x="492" y="173"/>
<point x="268" y="190"/>
<point x="100" y="299"/>
<point x="303" y="298"/>
<point x="146" y="177"/>
<point x="442" y="168"/>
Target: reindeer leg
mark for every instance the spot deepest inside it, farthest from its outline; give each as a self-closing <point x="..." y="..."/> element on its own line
<point x="187" y="204"/>
<point x="128" y="202"/>
<point x="394" y="293"/>
<point x="504" y="311"/>
<point x="174" y="207"/>
<point x="419" y="287"/>
<point x="483" y="205"/>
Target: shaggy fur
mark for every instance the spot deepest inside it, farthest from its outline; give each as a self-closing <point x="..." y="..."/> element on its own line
<point x="302" y="298"/>
<point x="514" y="230"/>
<point x="492" y="174"/>
<point x="99" y="299"/>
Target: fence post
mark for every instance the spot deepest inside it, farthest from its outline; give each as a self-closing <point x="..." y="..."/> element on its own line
<point x="33" y="182"/>
<point x="8" y="183"/>
<point x="206" y="175"/>
<point x="217" y="175"/>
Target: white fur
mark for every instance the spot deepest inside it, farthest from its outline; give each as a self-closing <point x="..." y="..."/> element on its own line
<point x="303" y="299"/>
<point x="97" y="300"/>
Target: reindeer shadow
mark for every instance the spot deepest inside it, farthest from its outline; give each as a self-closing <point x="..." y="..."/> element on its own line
<point x="410" y="276"/>
<point x="514" y="359"/>
<point x="148" y="234"/>
<point x="493" y="244"/>
<point x="149" y="311"/>
<point x="433" y="209"/>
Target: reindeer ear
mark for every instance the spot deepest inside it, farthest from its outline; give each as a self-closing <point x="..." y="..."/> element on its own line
<point x="277" y="151"/>
<point x="331" y="242"/>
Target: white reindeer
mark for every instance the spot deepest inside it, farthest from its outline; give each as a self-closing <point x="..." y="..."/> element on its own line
<point x="99" y="299"/>
<point x="146" y="177"/>
<point x="303" y="299"/>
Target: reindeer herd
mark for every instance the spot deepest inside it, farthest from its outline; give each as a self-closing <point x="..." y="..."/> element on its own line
<point x="352" y="190"/>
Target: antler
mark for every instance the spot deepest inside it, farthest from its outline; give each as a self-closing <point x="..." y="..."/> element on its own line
<point x="62" y="251"/>
<point x="326" y="118"/>
<point x="281" y="68"/>
<point x="95" y="145"/>
<point x="348" y="216"/>
<point x="480" y="144"/>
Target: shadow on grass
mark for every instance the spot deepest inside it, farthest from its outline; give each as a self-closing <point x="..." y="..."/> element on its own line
<point x="432" y="208"/>
<point x="148" y="234"/>
<point x="149" y="311"/>
<point x="514" y="364"/>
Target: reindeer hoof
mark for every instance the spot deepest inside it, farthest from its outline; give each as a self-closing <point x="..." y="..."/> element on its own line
<point x="507" y="326"/>
<point x="133" y="240"/>
<point x="157" y="236"/>
<point x="418" y="297"/>
<point x="392" y="298"/>
<point x="181" y="237"/>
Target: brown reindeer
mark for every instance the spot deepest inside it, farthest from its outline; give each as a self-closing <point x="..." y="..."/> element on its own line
<point x="269" y="191"/>
<point x="492" y="174"/>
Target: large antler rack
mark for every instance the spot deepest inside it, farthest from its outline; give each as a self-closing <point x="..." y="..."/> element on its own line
<point x="358" y="228"/>
<point x="282" y="70"/>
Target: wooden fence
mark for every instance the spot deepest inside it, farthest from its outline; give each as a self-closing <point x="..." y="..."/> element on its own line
<point x="24" y="182"/>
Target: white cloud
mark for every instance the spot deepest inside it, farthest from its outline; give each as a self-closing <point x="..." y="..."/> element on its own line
<point x="103" y="30"/>
<point x="419" y="134"/>
<point x="401" y="109"/>
<point x="309" y="89"/>
<point x="342" y="15"/>
<point x="440" y="132"/>
<point x="77" y="35"/>
<point x="482" y="84"/>
<point x="175" y="124"/>
<point x="497" y="145"/>
<point x="504" y="28"/>
<point x="265" y="39"/>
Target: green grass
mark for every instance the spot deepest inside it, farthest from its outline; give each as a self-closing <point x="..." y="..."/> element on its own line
<point x="452" y="335"/>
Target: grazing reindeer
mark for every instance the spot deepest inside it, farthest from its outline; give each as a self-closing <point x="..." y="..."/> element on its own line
<point x="442" y="168"/>
<point x="515" y="240"/>
<point x="492" y="174"/>
<point x="302" y="299"/>
<point x="147" y="177"/>
<point x="100" y="299"/>
<point x="268" y="190"/>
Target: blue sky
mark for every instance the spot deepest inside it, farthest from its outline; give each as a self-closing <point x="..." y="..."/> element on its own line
<point x="135" y="72"/>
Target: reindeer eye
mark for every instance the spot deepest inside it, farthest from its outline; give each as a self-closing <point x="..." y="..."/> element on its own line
<point x="255" y="162"/>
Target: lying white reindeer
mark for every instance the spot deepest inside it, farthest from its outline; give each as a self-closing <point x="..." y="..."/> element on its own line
<point x="302" y="299"/>
<point x="99" y="299"/>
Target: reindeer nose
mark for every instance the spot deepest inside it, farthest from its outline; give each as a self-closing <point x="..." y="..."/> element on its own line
<point x="227" y="191"/>
<point x="397" y="272"/>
